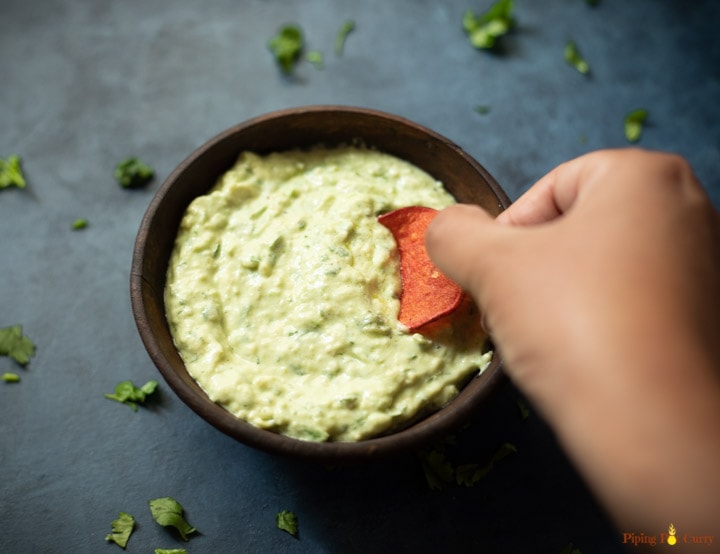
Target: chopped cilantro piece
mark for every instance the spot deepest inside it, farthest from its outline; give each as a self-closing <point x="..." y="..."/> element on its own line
<point x="438" y="471"/>
<point x="16" y="345"/>
<point x="316" y="58"/>
<point x="482" y="109"/>
<point x="573" y="57"/>
<point x="341" y="36"/>
<point x="127" y="393"/>
<point x="287" y="521"/>
<point x="634" y="122"/>
<point x="9" y="377"/>
<point x="168" y="512"/>
<point x="570" y="549"/>
<point x="287" y="46"/>
<point x="171" y="551"/>
<point x="483" y="30"/>
<point x="132" y="173"/>
<point x="11" y="173"/>
<point x="122" y="527"/>
<point x="79" y="223"/>
<point x="469" y="474"/>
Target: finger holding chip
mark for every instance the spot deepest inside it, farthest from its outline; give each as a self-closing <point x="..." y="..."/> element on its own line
<point x="427" y="294"/>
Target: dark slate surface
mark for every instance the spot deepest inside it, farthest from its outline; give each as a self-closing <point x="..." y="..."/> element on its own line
<point x="87" y="83"/>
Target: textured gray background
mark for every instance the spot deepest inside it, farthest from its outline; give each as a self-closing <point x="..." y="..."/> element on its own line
<point x="86" y="83"/>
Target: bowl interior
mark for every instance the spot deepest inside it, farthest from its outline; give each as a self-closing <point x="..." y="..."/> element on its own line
<point x="462" y="176"/>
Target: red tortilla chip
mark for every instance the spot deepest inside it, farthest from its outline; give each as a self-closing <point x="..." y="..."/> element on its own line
<point x="427" y="294"/>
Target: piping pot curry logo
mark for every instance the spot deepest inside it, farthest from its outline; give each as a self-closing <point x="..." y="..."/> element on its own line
<point x="669" y="538"/>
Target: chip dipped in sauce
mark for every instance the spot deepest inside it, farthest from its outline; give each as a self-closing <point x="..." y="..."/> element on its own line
<point x="427" y="294"/>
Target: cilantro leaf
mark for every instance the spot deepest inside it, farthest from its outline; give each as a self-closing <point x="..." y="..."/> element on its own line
<point x="11" y="173"/>
<point x="122" y="527"/>
<point x="483" y="30"/>
<point x="149" y="387"/>
<point x="287" y="521"/>
<point x="287" y="46"/>
<point x="171" y="551"/>
<point x="168" y="512"/>
<point x="132" y="173"/>
<point x="79" y="224"/>
<point x="127" y="393"/>
<point x="341" y="36"/>
<point x="316" y="58"/>
<point x="440" y="472"/>
<point x="573" y="57"/>
<point x="9" y="377"/>
<point x="634" y="122"/>
<point x="482" y="109"/>
<point x="470" y="474"/>
<point x="437" y="469"/>
<point x="16" y="345"/>
<point x="570" y="549"/>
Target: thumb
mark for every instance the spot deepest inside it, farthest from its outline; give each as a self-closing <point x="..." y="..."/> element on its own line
<point x="462" y="240"/>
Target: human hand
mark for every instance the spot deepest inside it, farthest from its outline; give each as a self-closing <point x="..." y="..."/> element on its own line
<point x="601" y="289"/>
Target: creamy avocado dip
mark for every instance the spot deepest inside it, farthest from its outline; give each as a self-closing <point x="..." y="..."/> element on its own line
<point x="282" y="297"/>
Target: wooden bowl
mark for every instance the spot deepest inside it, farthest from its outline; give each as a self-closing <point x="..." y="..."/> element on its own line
<point x="463" y="177"/>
